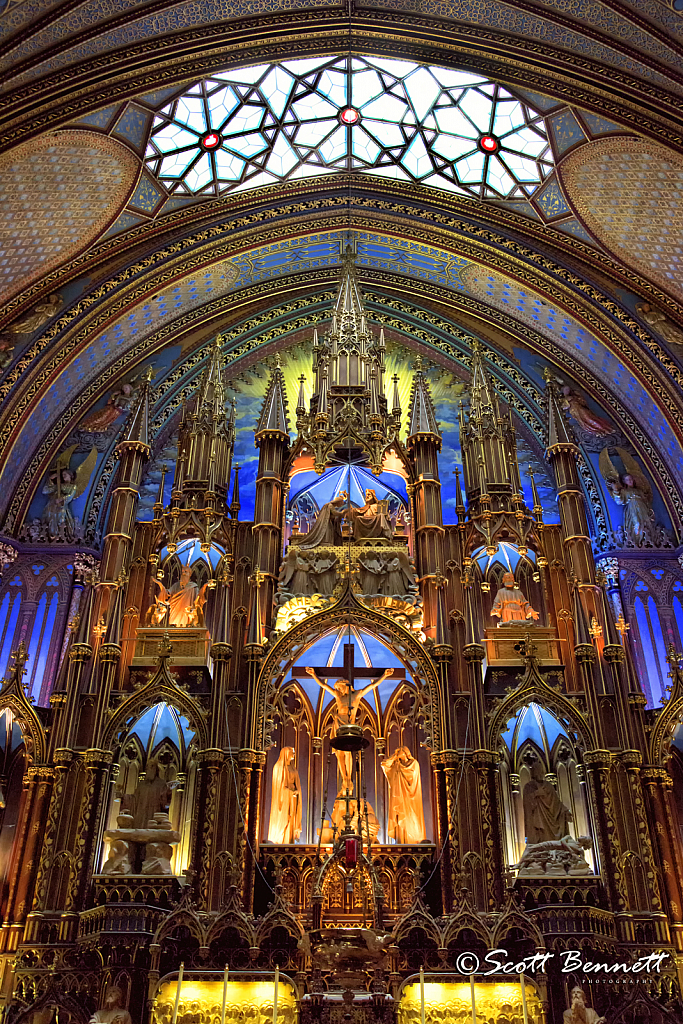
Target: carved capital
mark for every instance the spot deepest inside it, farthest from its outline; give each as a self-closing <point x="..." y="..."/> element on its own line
<point x="442" y="653"/>
<point x="614" y="653"/>
<point x="653" y="775"/>
<point x="110" y="653"/>
<point x="600" y="759"/>
<point x="631" y="758"/>
<point x="473" y="653"/>
<point x="96" y="758"/>
<point x="81" y="652"/>
<point x="221" y="652"/>
<point x="251" y="758"/>
<point x="211" y="757"/>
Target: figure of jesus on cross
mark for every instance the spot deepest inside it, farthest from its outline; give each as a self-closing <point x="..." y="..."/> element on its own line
<point x="347" y="702"/>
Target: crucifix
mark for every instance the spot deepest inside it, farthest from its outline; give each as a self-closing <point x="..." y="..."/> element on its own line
<point x="347" y="702"/>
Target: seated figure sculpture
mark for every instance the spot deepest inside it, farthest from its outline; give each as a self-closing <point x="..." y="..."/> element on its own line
<point x="181" y="604"/>
<point x="510" y="604"/>
<point x="372" y="521"/>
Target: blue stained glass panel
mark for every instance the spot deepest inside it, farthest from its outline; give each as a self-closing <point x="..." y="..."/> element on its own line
<point x="9" y="634"/>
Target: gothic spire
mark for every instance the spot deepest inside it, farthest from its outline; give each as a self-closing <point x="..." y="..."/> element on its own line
<point x="137" y="428"/>
<point x="559" y="434"/>
<point x="349" y="312"/>
<point x="421" y="415"/>
<point x="483" y="399"/>
<point x="211" y="391"/>
<point x="273" y="417"/>
<point x="235" y="503"/>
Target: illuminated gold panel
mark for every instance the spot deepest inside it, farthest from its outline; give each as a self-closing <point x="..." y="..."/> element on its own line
<point x="497" y="1002"/>
<point x="247" y="1001"/>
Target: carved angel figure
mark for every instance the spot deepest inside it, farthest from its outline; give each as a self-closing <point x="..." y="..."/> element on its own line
<point x="62" y="487"/>
<point x="39" y="315"/>
<point x="632" y="490"/>
<point x="660" y="322"/>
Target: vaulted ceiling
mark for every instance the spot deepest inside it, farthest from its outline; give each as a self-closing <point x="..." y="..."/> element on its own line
<point x="106" y="270"/>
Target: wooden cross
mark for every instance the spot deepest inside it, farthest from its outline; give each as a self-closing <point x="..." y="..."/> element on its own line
<point x="346" y="671"/>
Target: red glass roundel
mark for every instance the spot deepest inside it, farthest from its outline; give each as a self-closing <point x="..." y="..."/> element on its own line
<point x="211" y="141"/>
<point x="349" y="116"/>
<point x="489" y="143"/>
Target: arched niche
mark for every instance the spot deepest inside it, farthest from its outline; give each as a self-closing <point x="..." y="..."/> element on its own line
<point x="162" y="734"/>
<point x="507" y="557"/>
<point x="534" y="734"/>
<point x="13" y="763"/>
<point x="390" y="716"/>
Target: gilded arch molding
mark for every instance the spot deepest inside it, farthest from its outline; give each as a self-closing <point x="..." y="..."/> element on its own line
<point x="528" y="62"/>
<point x="394" y="306"/>
<point x="414" y="654"/>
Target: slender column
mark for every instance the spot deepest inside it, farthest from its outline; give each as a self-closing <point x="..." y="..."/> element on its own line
<point x="444" y="765"/>
<point x="428" y="524"/>
<point x="658" y="786"/>
<point x="96" y="766"/>
<point x="272" y="439"/>
<point x="209" y="764"/>
<point x="598" y="766"/>
<point x="251" y="764"/>
<point x="486" y="766"/>
<point x="24" y="865"/>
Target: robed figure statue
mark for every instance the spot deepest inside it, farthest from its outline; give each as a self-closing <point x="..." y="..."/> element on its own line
<point x="327" y="530"/>
<point x="372" y="521"/>
<point x="284" y="825"/>
<point x="510" y="604"/>
<point x="545" y="816"/>
<point x="406" y="823"/>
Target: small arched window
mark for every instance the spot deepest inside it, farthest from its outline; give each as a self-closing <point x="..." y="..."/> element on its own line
<point x="9" y="616"/>
<point x="654" y="677"/>
<point x="39" y="645"/>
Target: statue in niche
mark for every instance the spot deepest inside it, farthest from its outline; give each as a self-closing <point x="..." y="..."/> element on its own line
<point x="578" y="1012"/>
<point x="545" y="816"/>
<point x="183" y="603"/>
<point x="327" y="530"/>
<point x="510" y="604"/>
<point x="372" y="521"/>
<point x="112" y="1012"/>
<point x="406" y="823"/>
<point x="152" y="795"/>
<point x="347" y="702"/>
<point x="284" y="825"/>
<point x="632" y="490"/>
<point x="62" y="487"/>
